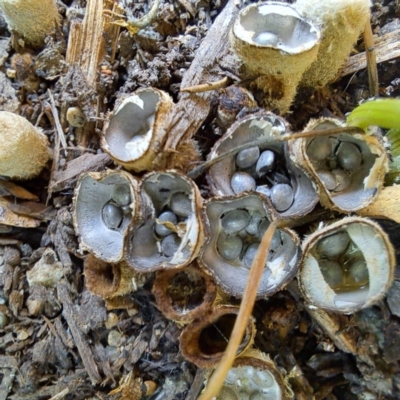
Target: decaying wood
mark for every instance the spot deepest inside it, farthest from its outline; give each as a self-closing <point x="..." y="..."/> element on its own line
<point x="387" y="48"/>
<point x="8" y="188"/>
<point x="332" y="325"/>
<point x="67" y="178"/>
<point x="84" y="350"/>
<point x="187" y="116"/>
<point x="8" y="370"/>
<point x="88" y="40"/>
<point x="299" y="383"/>
<point x="89" y="43"/>
<point x="9" y="217"/>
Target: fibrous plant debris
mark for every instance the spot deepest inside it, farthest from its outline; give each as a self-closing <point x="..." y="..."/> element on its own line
<point x="60" y="340"/>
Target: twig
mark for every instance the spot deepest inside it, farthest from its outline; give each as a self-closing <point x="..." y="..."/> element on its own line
<point x="205" y="87"/>
<point x="196" y="385"/>
<point x="57" y="122"/>
<point x="135" y="25"/>
<point x="196" y="172"/>
<point x="373" y="82"/>
<point x="80" y="342"/>
<point x="60" y="395"/>
<point x="246" y="307"/>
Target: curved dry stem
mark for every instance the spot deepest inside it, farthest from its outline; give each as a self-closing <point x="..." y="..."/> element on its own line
<point x="135" y="25"/>
<point x="246" y="307"/>
<point x="196" y="172"/>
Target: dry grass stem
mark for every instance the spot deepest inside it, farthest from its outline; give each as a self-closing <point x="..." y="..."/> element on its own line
<point x="246" y="307"/>
<point x="373" y="81"/>
<point x="205" y="87"/>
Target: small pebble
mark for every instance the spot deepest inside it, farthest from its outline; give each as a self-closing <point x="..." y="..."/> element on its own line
<point x="247" y="157"/>
<point x="282" y="196"/>
<point x="265" y="163"/>
<point x="332" y="272"/>
<point x="242" y="182"/>
<point x="319" y="149"/>
<point x="181" y="205"/>
<point x="121" y="194"/>
<point x="349" y="156"/>
<point x="266" y="39"/>
<point x="170" y="244"/>
<point x="234" y="221"/>
<point x="166" y="216"/>
<point x="342" y="179"/>
<point x="358" y="271"/>
<point x="333" y="245"/>
<point x="114" y="338"/>
<point x="229" y="247"/>
<point x="250" y="254"/>
<point x="112" y="216"/>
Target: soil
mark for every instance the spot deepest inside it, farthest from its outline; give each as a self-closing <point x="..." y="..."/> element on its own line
<point x="58" y="340"/>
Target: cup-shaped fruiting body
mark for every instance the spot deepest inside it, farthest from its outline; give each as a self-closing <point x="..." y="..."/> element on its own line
<point x="349" y="169"/>
<point x="184" y="295"/>
<point x="134" y="135"/>
<point x="23" y="148"/>
<point x="111" y="280"/>
<point x="203" y="341"/>
<point x="276" y="45"/>
<point x="254" y="376"/>
<point x="172" y="234"/>
<point x="347" y="266"/>
<point x="32" y="20"/>
<point x="341" y="23"/>
<point x="265" y="167"/>
<point x="105" y="204"/>
<point x="234" y="229"/>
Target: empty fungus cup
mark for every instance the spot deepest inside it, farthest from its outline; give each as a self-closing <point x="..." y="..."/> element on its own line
<point x="184" y="295"/>
<point x="134" y="135"/>
<point x="203" y="341"/>
<point x="111" y="280"/>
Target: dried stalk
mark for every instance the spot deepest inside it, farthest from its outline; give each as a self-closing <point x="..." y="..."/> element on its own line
<point x="372" y="69"/>
<point x="246" y="307"/>
<point x="196" y="172"/>
<point x="205" y="87"/>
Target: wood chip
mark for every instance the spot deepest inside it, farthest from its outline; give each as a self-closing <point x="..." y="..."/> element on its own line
<point x="80" y="340"/>
<point x="387" y="48"/>
<point x="9" y="217"/>
<point x="8" y="188"/>
<point x="87" y="162"/>
<point x="188" y="115"/>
